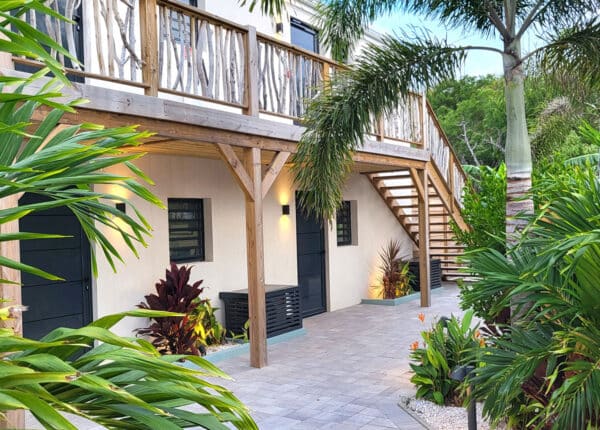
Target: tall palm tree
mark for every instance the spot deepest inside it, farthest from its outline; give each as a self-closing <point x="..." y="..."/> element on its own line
<point x="384" y="73"/>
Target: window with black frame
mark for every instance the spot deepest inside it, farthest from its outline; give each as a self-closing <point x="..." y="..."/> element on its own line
<point x="186" y="230"/>
<point x="344" y="224"/>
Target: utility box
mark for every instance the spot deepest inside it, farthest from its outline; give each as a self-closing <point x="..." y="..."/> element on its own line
<point x="435" y="274"/>
<point x="282" y="305"/>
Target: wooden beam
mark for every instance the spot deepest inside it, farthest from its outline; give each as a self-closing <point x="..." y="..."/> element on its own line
<point x="273" y="171"/>
<point x="417" y="181"/>
<point x="386" y="160"/>
<point x="237" y="169"/>
<point x="442" y="191"/>
<point x="149" y="44"/>
<point x="256" y="263"/>
<point x="424" y="264"/>
<point x="252" y="73"/>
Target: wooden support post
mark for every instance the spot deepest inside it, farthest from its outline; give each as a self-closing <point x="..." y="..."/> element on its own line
<point x="249" y="178"/>
<point x="424" y="264"/>
<point x="12" y="293"/>
<point x="255" y="257"/>
<point x="252" y="74"/>
<point x="149" y="44"/>
<point x="380" y="129"/>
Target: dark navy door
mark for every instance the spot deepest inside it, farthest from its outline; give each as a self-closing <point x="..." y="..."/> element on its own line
<point x="310" y="239"/>
<point x="55" y="304"/>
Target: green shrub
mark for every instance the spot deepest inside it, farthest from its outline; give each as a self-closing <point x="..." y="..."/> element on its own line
<point x="542" y="371"/>
<point x="484" y="200"/>
<point x="448" y="344"/>
<point x="209" y="330"/>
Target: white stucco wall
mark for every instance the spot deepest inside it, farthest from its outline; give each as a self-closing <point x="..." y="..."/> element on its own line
<point x="189" y="177"/>
<point x="351" y="269"/>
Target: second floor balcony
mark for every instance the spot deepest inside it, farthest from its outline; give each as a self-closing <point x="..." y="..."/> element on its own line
<point x="168" y="49"/>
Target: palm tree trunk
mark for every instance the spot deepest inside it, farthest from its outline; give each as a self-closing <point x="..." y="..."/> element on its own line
<point x="518" y="150"/>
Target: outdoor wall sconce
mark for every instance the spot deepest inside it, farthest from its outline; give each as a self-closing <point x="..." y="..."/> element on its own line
<point x="279" y="28"/>
<point x="121" y="207"/>
<point x="285" y="209"/>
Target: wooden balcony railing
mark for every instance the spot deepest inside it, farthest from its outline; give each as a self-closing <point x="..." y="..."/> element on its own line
<point x="166" y="47"/>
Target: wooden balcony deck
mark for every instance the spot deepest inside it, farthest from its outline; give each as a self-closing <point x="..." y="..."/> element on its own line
<point x="165" y="49"/>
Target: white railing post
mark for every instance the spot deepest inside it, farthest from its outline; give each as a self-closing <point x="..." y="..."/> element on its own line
<point x="424" y="121"/>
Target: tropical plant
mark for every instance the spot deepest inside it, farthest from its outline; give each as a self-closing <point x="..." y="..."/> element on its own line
<point x="208" y="329"/>
<point x="338" y="118"/>
<point x="448" y="344"/>
<point x="484" y="199"/>
<point x="542" y="372"/>
<point x="175" y="334"/>
<point x="120" y="384"/>
<point x="395" y="277"/>
<point x="61" y="163"/>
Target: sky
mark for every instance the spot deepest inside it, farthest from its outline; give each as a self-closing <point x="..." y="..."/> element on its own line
<point x="478" y="63"/>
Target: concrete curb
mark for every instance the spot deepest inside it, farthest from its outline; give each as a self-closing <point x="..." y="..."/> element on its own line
<point x="397" y="301"/>
<point x="414" y="416"/>
<point x="244" y="348"/>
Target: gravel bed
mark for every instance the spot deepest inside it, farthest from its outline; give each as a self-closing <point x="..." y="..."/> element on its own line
<point x="442" y="417"/>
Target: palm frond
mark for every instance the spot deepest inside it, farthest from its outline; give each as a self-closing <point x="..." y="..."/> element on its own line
<point x="114" y="384"/>
<point x="343" y="22"/>
<point x="575" y="50"/>
<point x="273" y="8"/>
<point x="63" y="167"/>
<point x="464" y="14"/>
<point x="342" y="113"/>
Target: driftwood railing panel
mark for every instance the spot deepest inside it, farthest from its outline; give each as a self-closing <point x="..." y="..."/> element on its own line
<point x="192" y="53"/>
<point x="111" y="37"/>
<point x="404" y="122"/>
<point x="443" y="155"/>
<point x="201" y="57"/>
<point x="288" y="77"/>
<point x="116" y="51"/>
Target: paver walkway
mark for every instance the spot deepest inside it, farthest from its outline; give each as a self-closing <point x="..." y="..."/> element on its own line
<point x="347" y="372"/>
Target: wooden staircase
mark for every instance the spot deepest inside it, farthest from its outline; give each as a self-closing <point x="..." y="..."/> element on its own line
<point x="400" y="190"/>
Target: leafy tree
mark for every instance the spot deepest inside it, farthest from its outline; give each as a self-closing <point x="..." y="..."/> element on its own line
<point x="484" y="202"/>
<point x="472" y="114"/>
<point x="339" y="117"/>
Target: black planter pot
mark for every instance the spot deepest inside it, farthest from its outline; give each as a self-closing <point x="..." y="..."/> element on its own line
<point x="435" y="274"/>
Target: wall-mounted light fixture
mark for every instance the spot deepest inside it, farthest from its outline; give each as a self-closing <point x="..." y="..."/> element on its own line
<point x="121" y="207"/>
<point x="279" y="28"/>
<point x="285" y="209"/>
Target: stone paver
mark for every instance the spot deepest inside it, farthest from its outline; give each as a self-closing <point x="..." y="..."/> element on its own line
<point x="347" y="372"/>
